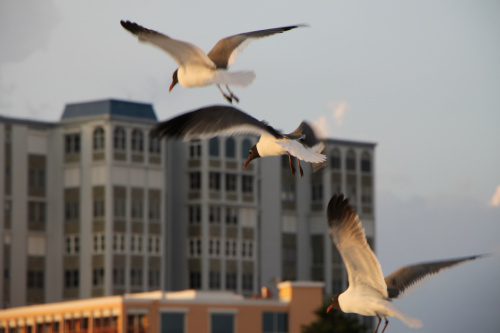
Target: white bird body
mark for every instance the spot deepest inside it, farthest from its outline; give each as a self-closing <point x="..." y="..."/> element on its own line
<point x="197" y="68"/>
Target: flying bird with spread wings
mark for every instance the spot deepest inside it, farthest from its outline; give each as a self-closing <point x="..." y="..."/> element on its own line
<point x="220" y="120"/>
<point x="197" y="68"/>
<point x="369" y="293"/>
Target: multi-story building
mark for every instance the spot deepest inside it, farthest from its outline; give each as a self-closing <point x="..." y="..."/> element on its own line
<point x="95" y="207"/>
<point x="83" y="200"/>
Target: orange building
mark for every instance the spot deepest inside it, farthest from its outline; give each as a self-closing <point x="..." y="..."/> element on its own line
<point x="188" y="311"/>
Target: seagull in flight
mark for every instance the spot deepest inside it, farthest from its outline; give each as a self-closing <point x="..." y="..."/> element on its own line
<point x="369" y="294"/>
<point x="196" y="68"/>
<point x="220" y="120"/>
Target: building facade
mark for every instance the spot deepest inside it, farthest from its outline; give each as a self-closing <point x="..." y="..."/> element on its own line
<point x="93" y="206"/>
<point x="187" y="311"/>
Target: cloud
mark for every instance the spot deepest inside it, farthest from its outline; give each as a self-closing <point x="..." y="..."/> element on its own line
<point x="495" y="200"/>
<point x="339" y="110"/>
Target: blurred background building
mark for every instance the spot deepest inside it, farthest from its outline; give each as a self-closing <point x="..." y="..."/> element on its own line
<point x="94" y="206"/>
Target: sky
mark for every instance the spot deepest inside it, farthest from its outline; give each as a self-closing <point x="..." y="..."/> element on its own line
<point x="421" y="79"/>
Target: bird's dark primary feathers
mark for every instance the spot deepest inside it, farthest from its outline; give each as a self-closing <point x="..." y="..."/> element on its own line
<point x="212" y="121"/>
<point x="405" y="277"/>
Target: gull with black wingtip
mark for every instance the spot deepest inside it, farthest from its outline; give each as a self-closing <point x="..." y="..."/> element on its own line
<point x="196" y="68"/>
<point x="369" y="294"/>
<point x="220" y="120"/>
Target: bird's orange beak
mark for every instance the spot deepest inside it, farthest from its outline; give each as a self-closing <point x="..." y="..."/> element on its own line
<point x="329" y="308"/>
<point x="172" y="86"/>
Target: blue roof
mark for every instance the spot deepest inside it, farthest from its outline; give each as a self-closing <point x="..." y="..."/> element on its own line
<point x="111" y="107"/>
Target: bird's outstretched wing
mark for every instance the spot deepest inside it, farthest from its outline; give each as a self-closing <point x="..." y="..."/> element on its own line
<point x="348" y="235"/>
<point x="182" y="52"/>
<point x="212" y="121"/>
<point x="406" y="279"/>
<point x="227" y="49"/>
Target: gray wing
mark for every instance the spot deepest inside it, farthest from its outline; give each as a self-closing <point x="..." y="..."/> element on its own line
<point x="212" y="121"/>
<point x="227" y="49"/>
<point x="348" y="235"/>
<point x="406" y="279"/>
<point x="182" y="52"/>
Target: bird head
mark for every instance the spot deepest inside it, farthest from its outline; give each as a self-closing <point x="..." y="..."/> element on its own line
<point x="175" y="80"/>
<point x="335" y="304"/>
<point x="252" y="154"/>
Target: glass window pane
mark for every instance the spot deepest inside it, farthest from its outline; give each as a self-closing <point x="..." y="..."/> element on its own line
<point x="222" y="323"/>
<point x="172" y="323"/>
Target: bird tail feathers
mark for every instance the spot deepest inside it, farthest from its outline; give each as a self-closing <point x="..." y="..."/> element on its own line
<point x="408" y="320"/>
<point x="241" y="78"/>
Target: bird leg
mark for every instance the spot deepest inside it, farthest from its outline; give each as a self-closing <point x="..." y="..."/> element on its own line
<point x="291" y="164"/>
<point x="386" y="323"/>
<point x="229" y="98"/>
<point x="379" y="320"/>
<point x="233" y="96"/>
<point x="300" y="168"/>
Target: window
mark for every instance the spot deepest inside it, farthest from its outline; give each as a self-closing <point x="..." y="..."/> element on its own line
<point x="231" y="248"/>
<point x="194" y="214"/>
<point x="71" y="210"/>
<point x="154" y="278"/>
<point x="119" y="209"/>
<point x="214" y="214"/>
<point x="274" y="322"/>
<point x="335" y="159"/>
<point x="35" y="279"/>
<point x="194" y="247"/>
<point x="366" y="163"/>
<point x="119" y="139"/>
<point x="172" y="323"/>
<point x="230" y="148"/>
<point x="230" y="182"/>
<point x="245" y="148"/>
<point x="288" y="191"/>
<point x="154" y="145"/>
<point x="317" y="249"/>
<point x="137" y="209"/>
<point x="231" y="215"/>
<point x="119" y="242"/>
<point x="214" y="181"/>
<point x="231" y="281"/>
<point x="36" y="212"/>
<point x="72" y="143"/>
<point x="221" y="323"/>
<point x="72" y="244"/>
<point x="213" y="147"/>
<point x="350" y="161"/>
<point x="317" y="192"/>
<point x="214" y="280"/>
<point x="118" y="276"/>
<point x="136" y="277"/>
<point x="71" y="278"/>
<point x="195" y="149"/>
<point x="36" y="173"/>
<point x="214" y="246"/>
<point x="97" y="276"/>
<point x="137" y="141"/>
<point x="195" y="180"/>
<point x="98" y="142"/>
<point x="247" y="279"/>
<point x="247" y="184"/>
<point x="98" y="208"/>
<point x="99" y="242"/>
<point x="194" y="280"/>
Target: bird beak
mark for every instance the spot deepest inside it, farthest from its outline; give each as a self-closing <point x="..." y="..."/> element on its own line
<point x="172" y="86"/>
<point x="246" y="162"/>
<point x="329" y="308"/>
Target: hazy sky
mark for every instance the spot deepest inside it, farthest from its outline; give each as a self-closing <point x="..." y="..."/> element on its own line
<point x="419" y="78"/>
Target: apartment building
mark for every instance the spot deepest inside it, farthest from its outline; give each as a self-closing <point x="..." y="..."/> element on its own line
<point x="95" y="207"/>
